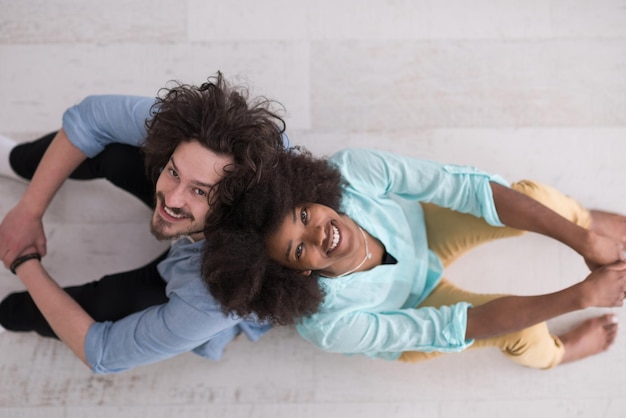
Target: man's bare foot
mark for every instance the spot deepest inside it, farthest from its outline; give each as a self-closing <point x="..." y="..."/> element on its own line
<point x="609" y="224"/>
<point x="593" y="336"/>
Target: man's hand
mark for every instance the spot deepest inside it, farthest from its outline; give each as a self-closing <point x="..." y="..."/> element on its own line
<point x="19" y="230"/>
<point x="23" y="226"/>
<point x="605" y="287"/>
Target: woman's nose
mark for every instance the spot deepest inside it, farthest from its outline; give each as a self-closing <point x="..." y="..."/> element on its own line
<point x="317" y="235"/>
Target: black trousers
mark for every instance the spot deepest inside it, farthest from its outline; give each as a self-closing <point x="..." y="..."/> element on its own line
<point x="113" y="296"/>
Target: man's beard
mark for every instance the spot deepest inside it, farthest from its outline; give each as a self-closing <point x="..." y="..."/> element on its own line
<point x="158" y="225"/>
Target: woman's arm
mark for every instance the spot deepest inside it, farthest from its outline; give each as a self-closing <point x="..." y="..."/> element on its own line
<point x="522" y="212"/>
<point x="23" y="226"/>
<point x="604" y="287"/>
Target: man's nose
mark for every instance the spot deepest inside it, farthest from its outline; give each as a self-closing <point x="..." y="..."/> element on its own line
<point x="174" y="198"/>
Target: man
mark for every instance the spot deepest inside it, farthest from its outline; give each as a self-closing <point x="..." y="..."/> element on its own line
<point x="201" y="146"/>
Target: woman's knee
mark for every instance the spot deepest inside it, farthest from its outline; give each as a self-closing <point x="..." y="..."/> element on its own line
<point x="533" y="347"/>
<point x="537" y="191"/>
<point x="555" y="200"/>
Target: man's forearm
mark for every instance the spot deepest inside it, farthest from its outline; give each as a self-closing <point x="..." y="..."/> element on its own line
<point x="59" y="161"/>
<point x="67" y="318"/>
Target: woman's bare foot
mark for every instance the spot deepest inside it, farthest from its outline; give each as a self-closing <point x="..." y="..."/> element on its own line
<point x="591" y="337"/>
<point x="609" y="224"/>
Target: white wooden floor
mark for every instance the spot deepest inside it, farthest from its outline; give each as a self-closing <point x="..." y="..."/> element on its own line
<point x="530" y="88"/>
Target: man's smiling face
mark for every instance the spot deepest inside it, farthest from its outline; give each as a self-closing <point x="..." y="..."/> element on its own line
<point x="183" y="188"/>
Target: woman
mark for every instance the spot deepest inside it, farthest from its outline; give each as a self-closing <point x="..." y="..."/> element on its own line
<point x="363" y="273"/>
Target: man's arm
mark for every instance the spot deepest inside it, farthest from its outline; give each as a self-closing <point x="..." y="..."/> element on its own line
<point x="153" y="334"/>
<point x="23" y="226"/>
<point x="66" y="317"/>
<point x="88" y="128"/>
<point x="522" y="212"/>
<point x="604" y="287"/>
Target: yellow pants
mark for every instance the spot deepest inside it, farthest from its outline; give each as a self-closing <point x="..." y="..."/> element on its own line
<point x="450" y="234"/>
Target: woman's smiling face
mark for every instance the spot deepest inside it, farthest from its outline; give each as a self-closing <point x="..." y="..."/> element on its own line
<point x="314" y="237"/>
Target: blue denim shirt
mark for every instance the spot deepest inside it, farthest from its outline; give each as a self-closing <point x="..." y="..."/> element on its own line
<point x="98" y="121"/>
<point x="191" y="320"/>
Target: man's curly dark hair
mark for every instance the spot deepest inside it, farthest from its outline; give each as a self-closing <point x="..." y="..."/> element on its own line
<point x="236" y="267"/>
<point x="220" y="117"/>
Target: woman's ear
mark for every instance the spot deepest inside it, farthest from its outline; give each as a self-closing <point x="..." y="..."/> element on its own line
<point x="306" y="273"/>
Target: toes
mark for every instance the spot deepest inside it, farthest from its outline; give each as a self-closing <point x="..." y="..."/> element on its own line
<point x="610" y="339"/>
<point x="608" y="320"/>
<point x="610" y="330"/>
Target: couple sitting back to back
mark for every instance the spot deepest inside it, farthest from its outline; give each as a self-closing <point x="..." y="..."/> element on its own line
<point x="351" y="249"/>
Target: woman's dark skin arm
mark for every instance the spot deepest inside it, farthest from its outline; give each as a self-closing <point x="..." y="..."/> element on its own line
<point x="522" y="212"/>
<point x="604" y="287"/>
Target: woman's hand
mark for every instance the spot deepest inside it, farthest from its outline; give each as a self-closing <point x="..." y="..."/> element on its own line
<point x="606" y="239"/>
<point x="605" y="287"/>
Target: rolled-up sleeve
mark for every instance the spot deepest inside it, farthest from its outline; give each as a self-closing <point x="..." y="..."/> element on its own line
<point x="393" y="332"/>
<point x="153" y="334"/>
<point x="462" y="188"/>
<point x="98" y="121"/>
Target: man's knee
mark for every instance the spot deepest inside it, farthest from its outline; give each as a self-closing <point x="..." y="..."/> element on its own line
<point x="19" y="313"/>
<point x="22" y="163"/>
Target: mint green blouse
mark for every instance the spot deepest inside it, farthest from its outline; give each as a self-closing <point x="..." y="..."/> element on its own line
<point x="374" y="312"/>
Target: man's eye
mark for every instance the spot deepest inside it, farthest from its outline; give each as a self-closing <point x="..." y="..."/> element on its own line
<point x="298" y="251"/>
<point x="304" y="215"/>
<point x="199" y="192"/>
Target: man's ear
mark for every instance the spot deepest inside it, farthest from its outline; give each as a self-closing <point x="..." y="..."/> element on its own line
<point x="306" y="273"/>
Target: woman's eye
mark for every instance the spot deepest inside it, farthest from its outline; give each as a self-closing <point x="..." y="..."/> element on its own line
<point x="173" y="172"/>
<point x="199" y="192"/>
<point x="304" y="215"/>
<point x="298" y="251"/>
